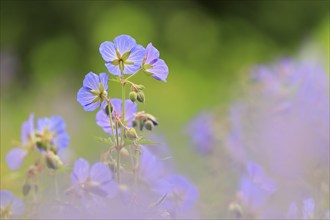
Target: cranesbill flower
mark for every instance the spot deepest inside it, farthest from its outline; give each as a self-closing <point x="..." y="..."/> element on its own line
<point x="103" y="120"/>
<point x="16" y="156"/>
<point x="154" y="66"/>
<point x="93" y="94"/>
<point x="51" y="134"/>
<point x="10" y="206"/>
<point x="96" y="180"/>
<point x="123" y="56"/>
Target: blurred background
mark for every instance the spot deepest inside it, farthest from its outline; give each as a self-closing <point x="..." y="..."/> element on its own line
<point x="47" y="47"/>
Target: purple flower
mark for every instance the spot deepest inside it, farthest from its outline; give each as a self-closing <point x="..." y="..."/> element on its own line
<point x="10" y="206"/>
<point x="103" y="120"/>
<point x="181" y="193"/>
<point x="123" y="56"/>
<point x="95" y="180"/>
<point x="93" y="94"/>
<point x="256" y="188"/>
<point x="51" y="134"/>
<point x="153" y="65"/>
<point x="16" y="156"/>
<point x="201" y="132"/>
<point x="308" y="209"/>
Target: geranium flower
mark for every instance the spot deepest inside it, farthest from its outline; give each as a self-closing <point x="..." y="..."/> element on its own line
<point x="154" y="66"/>
<point x="95" y="180"/>
<point x="93" y="94"/>
<point x="123" y="56"/>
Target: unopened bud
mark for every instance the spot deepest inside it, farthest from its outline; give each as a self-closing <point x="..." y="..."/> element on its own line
<point x="134" y="123"/>
<point x="124" y="152"/>
<point x="148" y="125"/>
<point x="107" y="109"/>
<point x="26" y="189"/>
<point x="140" y="87"/>
<point x="140" y="97"/>
<point x="133" y="96"/>
<point x="131" y="134"/>
<point x="53" y="161"/>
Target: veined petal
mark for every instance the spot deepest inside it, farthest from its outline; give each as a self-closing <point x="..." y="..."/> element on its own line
<point x="80" y="171"/>
<point x="159" y="70"/>
<point x="15" y="158"/>
<point x="100" y="173"/>
<point x="124" y="43"/>
<point x="86" y="98"/>
<point x="104" y="78"/>
<point x="91" y="81"/>
<point x="117" y="106"/>
<point x="27" y="130"/>
<point x="56" y="124"/>
<point x="134" y="60"/>
<point x="103" y="121"/>
<point x="61" y="140"/>
<point x="131" y="109"/>
<point x="152" y="54"/>
<point x="108" y="51"/>
<point x="113" y="69"/>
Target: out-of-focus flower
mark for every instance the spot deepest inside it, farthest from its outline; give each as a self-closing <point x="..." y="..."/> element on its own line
<point x="103" y="119"/>
<point x="123" y="56"/>
<point x="307" y="212"/>
<point x="154" y="66"/>
<point x="10" y="206"/>
<point x="200" y="129"/>
<point x="96" y="180"/>
<point x="255" y="188"/>
<point x="93" y="94"/>
<point x="16" y="156"/>
<point x="51" y="134"/>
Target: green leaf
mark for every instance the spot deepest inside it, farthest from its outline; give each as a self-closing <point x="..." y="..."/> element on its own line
<point x="104" y="140"/>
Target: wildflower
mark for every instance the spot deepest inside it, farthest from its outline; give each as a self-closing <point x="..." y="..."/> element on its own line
<point x="16" y="156"/>
<point x="96" y="180"/>
<point x="51" y="134"/>
<point x="154" y="66"/>
<point x="201" y="132"/>
<point x="103" y="120"/>
<point x="10" y="206"/>
<point x="255" y="188"/>
<point x="93" y="94"/>
<point x="123" y="56"/>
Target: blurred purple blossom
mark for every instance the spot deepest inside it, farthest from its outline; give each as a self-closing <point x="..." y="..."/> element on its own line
<point x="123" y="55"/>
<point x="16" y="156"/>
<point x="96" y="180"/>
<point x="51" y="131"/>
<point x="200" y="130"/>
<point x="93" y="94"/>
<point x="10" y="206"/>
<point x="153" y="65"/>
<point x="103" y="120"/>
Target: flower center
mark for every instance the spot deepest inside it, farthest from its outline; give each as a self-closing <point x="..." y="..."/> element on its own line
<point x="122" y="60"/>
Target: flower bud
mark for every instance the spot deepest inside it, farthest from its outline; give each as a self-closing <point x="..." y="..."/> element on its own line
<point x="131" y="134"/>
<point x="26" y="189"/>
<point x="148" y="125"/>
<point x="140" y="97"/>
<point x="107" y="109"/>
<point x="124" y="152"/>
<point x="133" y="96"/>
<point x="53" y="161"/>
<point x="140" y="87"/>
<point x="134" y="123"/>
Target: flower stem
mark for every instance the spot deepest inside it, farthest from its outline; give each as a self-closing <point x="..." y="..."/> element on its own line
<point x="118" y="153"/>
<point x="123" y="112"/>
<point x="110" y="116"/>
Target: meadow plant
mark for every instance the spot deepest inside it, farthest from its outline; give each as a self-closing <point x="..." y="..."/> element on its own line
<point x="129" y="180"/>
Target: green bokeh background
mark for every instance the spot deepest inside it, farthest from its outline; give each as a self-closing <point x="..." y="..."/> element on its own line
<point x="47" y="47"/>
